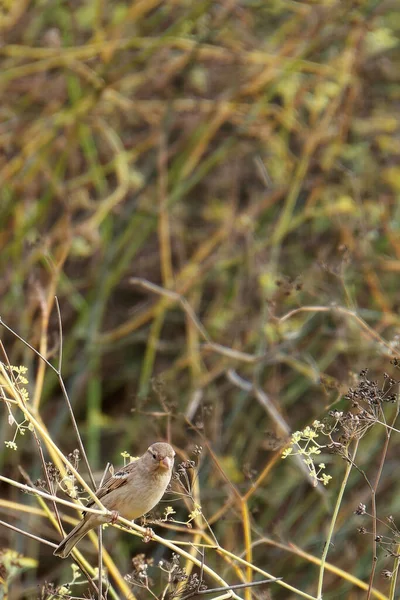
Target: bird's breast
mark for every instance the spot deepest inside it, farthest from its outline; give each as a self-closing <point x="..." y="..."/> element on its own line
<point x="134" y="499"/>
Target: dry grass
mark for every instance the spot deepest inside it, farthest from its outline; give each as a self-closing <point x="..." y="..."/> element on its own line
<point x="211" y="190"/>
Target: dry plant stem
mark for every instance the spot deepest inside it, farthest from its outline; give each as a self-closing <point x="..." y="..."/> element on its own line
<point x="349" y="466"/>
<point x="185" y="280"/>
<point x="46" y="302"/>
<point x="393" y="581"/>
<point x="52" y="447"/>
<point x="34" y="491"/>
<point x="49" y="486"/>
<point x="55" y="499"/>
<point x="237" y="586"/>
<point x="243" y="508"/>
<point x="29" y="535"/>
<point x="83" y="565"/>
<point x="100" y="560"/>
<point x="63" y="388"/>
<point x="240" y="500"/>
<point x="268" y="406"/>
<point x="176" y="297"/>
<point x="267" y="575"/>
<point x="390" y="427"/>
<point x="86" y="569"/>
<point x="210" y="572"/>
<point x="117" y="576"/>
<point x="67" y="400"/>
<point x="89" y="571"/>
<point x="24" y="508"/>
<point x="122" y="172"/>
<point x="100" y="540"/>
<point x="174" y="547"/>
<point x="42" y="512"/>
<point x="28" y="479"/>
<point x="349" y="313"/>
<point x="48" y="543"/>
<point x="163" y="221"/>
<point x="39" y="445"/>
<point x="131" y="526"/>
<point x="248" y="546"/>
<point x="374" y="521"/>
<point x="32" y="419"/>
<point x="291" y="548"/>
<point x="374" y="489"/>
<point x="210" y="545"/>
<point x="90" y="580"/>
<point x="193" y="487"/>
<point x="265" y="402"/>
<point x="125" y="43"/>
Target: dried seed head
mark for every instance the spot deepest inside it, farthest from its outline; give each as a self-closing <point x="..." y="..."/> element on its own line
<point x="387" y="574"/>
<point x="361" y="509"/>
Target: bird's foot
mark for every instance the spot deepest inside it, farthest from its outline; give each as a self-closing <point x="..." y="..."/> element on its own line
<point x="148" y="535"/>
<point x="114" y="517"/>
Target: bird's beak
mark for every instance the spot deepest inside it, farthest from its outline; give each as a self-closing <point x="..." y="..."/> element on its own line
<point x="166" y="463"/>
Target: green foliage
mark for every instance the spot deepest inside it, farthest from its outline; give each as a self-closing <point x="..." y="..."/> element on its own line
<point x="243" y="157"/>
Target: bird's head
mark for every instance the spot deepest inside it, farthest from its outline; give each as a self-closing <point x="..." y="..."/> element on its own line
<point x="160" y="457"/>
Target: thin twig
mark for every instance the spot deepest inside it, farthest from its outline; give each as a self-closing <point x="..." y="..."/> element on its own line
<point x="334" y="519"/>
<point x="131" y="527"/>
<point x="349" y="313"/>
<point x="262" y="397"/>
<point x="100" y="540"/>
<point x="373" y="499"/>
<point x="63" y="389"/>
<point x="210" y="345"/>
<point x="52" y="545"/>
<point x="67" y="400"/>
<point x="26" y="488"/>
<point x="237" y="586"/>
<point x="27" y="534"/>
<point x="269" y="407"/>
<point x="32" y="419"/>
<point x="39" y="445"/>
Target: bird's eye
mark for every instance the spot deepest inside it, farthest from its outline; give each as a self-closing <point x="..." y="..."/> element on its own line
<point x="154" y="455"/>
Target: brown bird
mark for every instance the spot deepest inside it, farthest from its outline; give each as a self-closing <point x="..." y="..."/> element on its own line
<point x="131" y="492"/>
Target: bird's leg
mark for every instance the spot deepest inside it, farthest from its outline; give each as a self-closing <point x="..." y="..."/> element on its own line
<point x="148" y="535"/>
<point x="114" y="517"/>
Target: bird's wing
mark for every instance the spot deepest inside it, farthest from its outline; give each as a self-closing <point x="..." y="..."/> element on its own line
<point x="119" y="479"/>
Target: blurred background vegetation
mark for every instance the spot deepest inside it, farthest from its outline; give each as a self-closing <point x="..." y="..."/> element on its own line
<point x="244" y="154"/>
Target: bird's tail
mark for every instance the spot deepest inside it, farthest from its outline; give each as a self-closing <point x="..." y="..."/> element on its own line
<point x="65" y="547"/>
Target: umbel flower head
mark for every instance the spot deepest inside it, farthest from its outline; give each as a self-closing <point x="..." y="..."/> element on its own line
<point x="304" y="443"/>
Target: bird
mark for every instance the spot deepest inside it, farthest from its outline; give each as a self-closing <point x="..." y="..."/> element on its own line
<point x="130" y="492"/>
